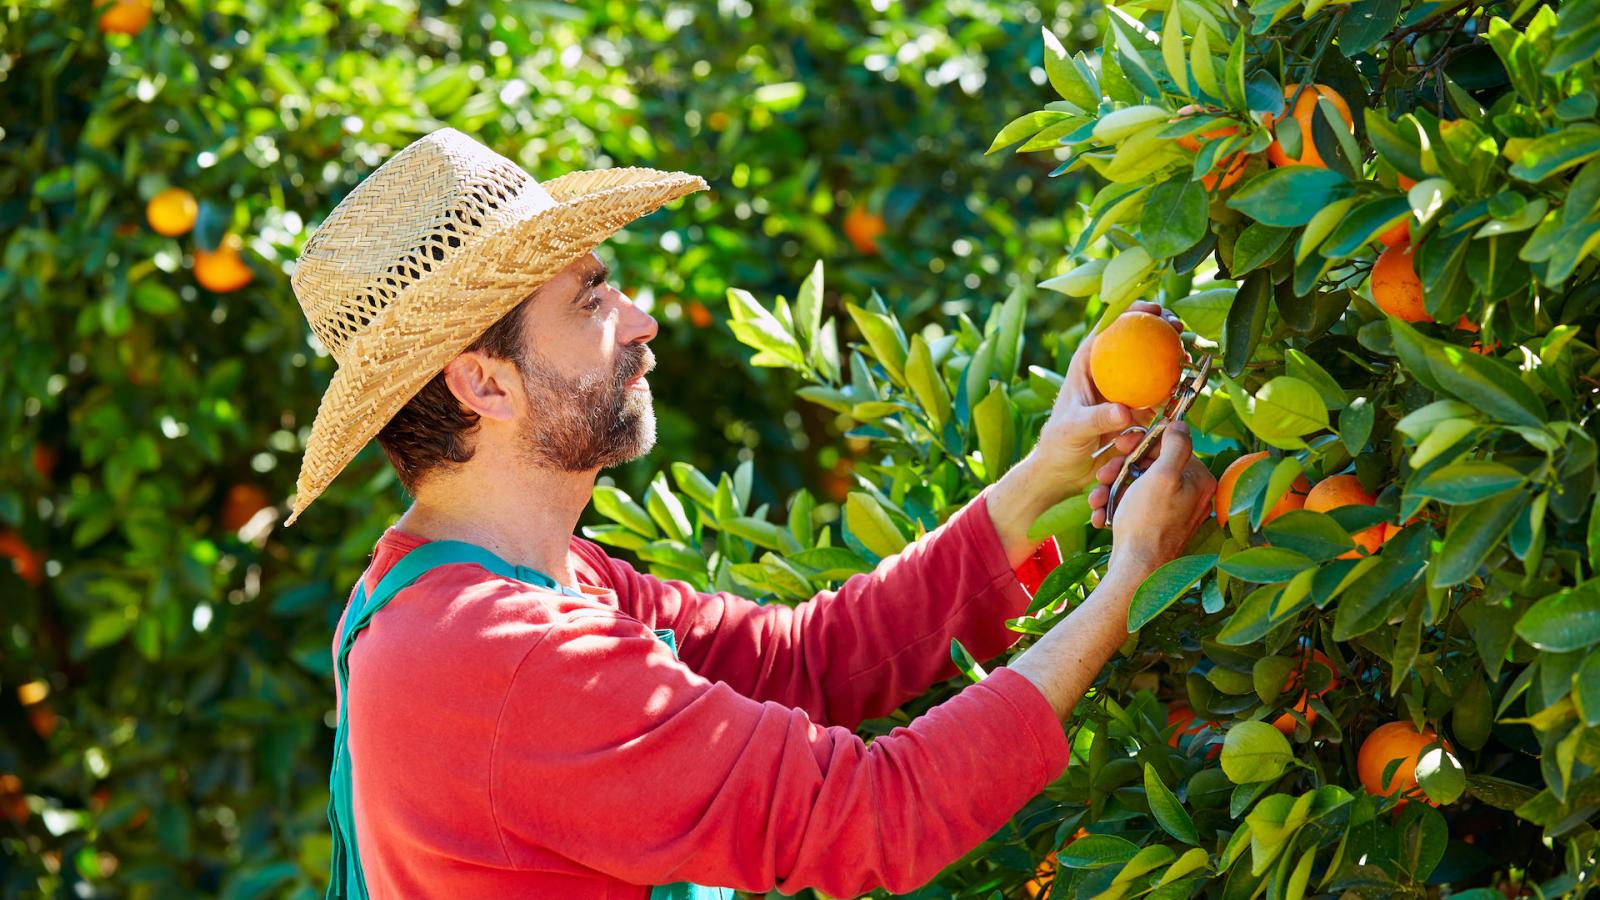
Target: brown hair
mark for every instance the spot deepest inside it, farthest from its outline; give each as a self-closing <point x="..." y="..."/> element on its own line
<point x="430" y="430"/>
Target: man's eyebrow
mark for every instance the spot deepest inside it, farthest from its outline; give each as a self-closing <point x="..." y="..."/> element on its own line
<point x="596" y="278"/>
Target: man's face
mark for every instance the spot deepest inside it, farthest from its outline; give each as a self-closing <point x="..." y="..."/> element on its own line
<point x="589" y="405"/>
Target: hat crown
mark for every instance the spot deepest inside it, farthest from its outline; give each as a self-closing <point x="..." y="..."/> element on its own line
<point x="423" y="207"/>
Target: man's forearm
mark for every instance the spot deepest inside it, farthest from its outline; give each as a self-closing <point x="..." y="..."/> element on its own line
<point x="1064" y="662"/>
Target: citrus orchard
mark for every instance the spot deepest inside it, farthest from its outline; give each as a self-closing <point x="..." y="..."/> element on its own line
<point x="1387" y="743"/>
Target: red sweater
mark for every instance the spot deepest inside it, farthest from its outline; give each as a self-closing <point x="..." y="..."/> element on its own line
<point x="511" y="741"/>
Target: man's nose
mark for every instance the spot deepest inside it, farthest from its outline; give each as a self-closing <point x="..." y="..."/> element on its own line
<point x="634" y="325"/>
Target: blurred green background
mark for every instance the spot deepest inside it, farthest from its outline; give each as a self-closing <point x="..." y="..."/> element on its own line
<point x="165" y="686"/>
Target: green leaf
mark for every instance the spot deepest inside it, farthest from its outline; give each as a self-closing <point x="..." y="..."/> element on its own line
<point x="666" y="509"/>
<point x="1483" y="382"/>
<point x="1571" y="146"/>
<point x="1265" y="565"/>
<point x="762" y="533"/>
<point x="1286" y="408"/>
<point x="1072" y="512"/>
<point x="617" y="506"/>
<point x="1473" y="535"/>
<point x="927" y="384"/>
<point x="965" y="663"/>
<point x="1205" y="312"/>
<point x="1564" y="621"/>
<point x="1255" y="751"/>
<point x="1166" y="809"/>
<point x="757" y="328"/>
<point x="1174" y="217"/>
<point x="1365" y="23"/>
<point x="997" y="432"/>
<point x="1257" y="245"/>
<point x="1071" y="77"/>
<point x="829" y="563"/>
<point x="1363" y="225"/>
<point x="1094" y="851"/>
<point x="1290" y="195"/>
<point x="1024" y="126"/>
<point x="1313" y="534"/>
<point x="884" y="340"/>
<point x="871" y="525"/>
<point x="1355" y="424"/>
<point x="1165" y="586"/>
<point x="1467" y="481"/>
<point x="1247" y="317"/>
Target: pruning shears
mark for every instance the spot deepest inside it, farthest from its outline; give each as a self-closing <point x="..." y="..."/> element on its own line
<point x="1183" y="397"/>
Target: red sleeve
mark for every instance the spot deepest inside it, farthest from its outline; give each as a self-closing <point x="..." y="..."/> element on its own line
<point x="862" y="650"/>
<point x="617" y="755"/>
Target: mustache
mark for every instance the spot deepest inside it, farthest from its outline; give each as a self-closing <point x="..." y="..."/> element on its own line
<point x="638" y="363"/>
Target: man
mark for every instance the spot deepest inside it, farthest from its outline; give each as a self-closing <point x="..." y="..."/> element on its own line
<point x="524" y="716"/>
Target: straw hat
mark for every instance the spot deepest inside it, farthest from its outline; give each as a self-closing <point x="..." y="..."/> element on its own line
<point x="427" y="253"/>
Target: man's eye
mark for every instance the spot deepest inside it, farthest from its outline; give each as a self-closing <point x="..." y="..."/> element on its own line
<point x="594" y="302"/>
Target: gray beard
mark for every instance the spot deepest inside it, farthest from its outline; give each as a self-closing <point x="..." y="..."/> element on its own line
<point x="592" y="422"/>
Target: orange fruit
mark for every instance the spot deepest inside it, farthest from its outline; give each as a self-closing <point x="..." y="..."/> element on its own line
<point x="718" y="121"/>
<point x="1395" y="740"/>
<point x="172" y="212"/>
<point x="43" y="720"/>
<point x="125" y="17"/>
<point x="1293" y="499"/>
<point x="222" y="270"/>
<point x="863" y="229"/>
<point x="1232" y="168"/>
<point x="1045" y="873"/>
<point x="698" y="314"/>
<point x="1286" y="722"/>
<point x="1399" y="234"/>
<point x="1137" y="360"/>
<point x="242" y="504"/>
<point x="1304" y="109"/>
<point x="1396" y="289"/>
<point x="28" y="565"/>
<point x="1405" y="183"/>
<point x="1346" y="490"/>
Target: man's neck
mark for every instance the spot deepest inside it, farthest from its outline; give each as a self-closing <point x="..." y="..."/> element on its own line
<point x="526" y="516"/>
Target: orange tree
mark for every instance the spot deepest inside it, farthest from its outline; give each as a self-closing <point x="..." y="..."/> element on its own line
<point x="1393" y="263"/>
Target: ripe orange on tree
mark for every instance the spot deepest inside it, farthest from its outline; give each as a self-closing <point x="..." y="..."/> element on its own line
<point x="44" y="460"/>
<point x="125" y="17"/>
<point x="222" y="270"/>
<point x="172" y="212"/>
<point x="1293" y="499"/>
<point x="1046" y="871"/>
<point x="863" y="228"/>
<point x="1286" y="722"/>
<point x="1396" y="289"/>
<point x="1386" y="743"/>
<point x="28" y="564"/>
<point x="1304" y="109"/>
<point x="1346" y="490"/>
<point x="13" y="805"/>
<point x="241" y="505"/>
<point x="1137" y="360"/>
<point x="698" y="314"/>
<point x="1231" y="169"/>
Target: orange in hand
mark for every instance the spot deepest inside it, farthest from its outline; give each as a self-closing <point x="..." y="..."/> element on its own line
<point x="1304" y="109"/>
<point x="1346" y="490"/>
<point x="1293" y="499"/>
<point x="1137" y="360"/>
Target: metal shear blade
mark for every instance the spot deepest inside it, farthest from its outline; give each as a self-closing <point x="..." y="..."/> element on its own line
<point x="1183" y="397"/>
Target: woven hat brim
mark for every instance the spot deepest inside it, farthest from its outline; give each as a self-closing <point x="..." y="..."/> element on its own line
<point x="433" y="320"/>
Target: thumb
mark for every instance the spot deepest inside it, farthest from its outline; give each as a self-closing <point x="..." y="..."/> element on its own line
<point x="1176" y="450"/>
<point x="1106" y="417"/>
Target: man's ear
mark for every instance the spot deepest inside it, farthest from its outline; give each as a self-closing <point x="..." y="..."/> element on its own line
<point x="483" y="384"/>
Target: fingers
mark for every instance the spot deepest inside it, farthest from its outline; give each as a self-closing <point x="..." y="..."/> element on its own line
<point x="1156" y="309"/>
<point x="1108" y="472"/>
<point x="1107" y="417"/>
<point x="1176" y="452"/>
<point x="1097" y="505"/>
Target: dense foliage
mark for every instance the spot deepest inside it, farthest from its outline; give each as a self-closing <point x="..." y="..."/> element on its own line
<point x="164" y="665"/>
